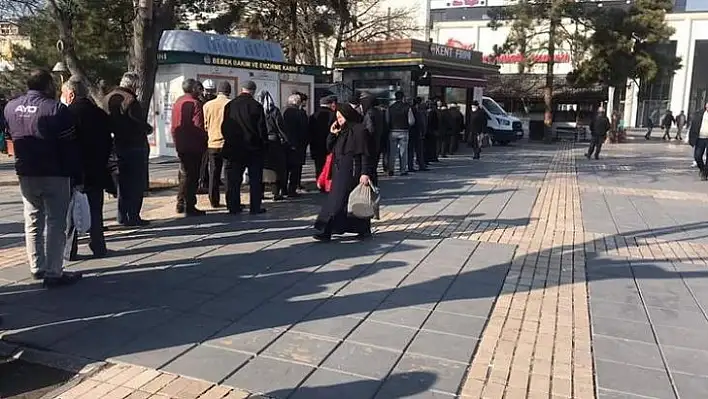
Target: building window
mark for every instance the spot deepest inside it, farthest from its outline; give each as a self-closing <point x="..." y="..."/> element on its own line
<point x="655" y="95"/>
<point x="699" y="80"/>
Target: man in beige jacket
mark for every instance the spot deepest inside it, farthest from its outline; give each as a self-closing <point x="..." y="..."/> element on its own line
<point x="213" y="118"/>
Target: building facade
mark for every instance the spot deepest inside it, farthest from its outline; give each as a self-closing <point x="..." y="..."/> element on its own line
<point x="10" y="36"/>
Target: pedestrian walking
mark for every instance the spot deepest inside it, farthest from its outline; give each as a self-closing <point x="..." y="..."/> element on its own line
<point x="94" y="138"/>
<point x="599" y="127"/>
<point x="190" y="140"/>
<point x="47" y="158"/>
<point x="416" y="137"/>
<point x="296" y="125"/>
<point x="666" y="123"/>
<point x="477" y="125"/>
<point x="351" y="145"/>
<point x="131" y="146"/>
<point x="400" y="121"/>
<point x="213" y="119"/>
<point x="698" y="138"/>
<point x="680" y="125"/>
<point x="245" y="142"/>
<point x="649" y="126"/>
<point x="277" y="149"/>
<point x="320" y="122"/>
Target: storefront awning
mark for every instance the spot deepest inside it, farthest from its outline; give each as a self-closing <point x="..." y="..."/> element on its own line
<point x="450" y="81"/>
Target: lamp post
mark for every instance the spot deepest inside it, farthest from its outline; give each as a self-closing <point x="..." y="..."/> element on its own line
<point x="60" y="69"/>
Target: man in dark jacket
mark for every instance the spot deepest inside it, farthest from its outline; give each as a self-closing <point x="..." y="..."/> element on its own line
<point x="400" y="120"/>
<point x="190" y="140"/>
<point x="477" y="124"/>
<point x="457" y="126"/>
<point x="666" y="123"/>
<point x="698" y="138"/>
<point x="245" y="140"/>
<point x="431" y="136"/>
<point x="320" y="123"/>
<point x="295" y="125"/>
<point x="130" y="133"/>
<point x="47" y="158"/>
<point x="599" y="127"/>
<point x="417" y="135"/>
<point x="94" y="137"/>
<point x="375" y="123"/>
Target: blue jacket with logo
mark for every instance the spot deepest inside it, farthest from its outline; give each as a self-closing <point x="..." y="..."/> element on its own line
<point x="43" y="135"/>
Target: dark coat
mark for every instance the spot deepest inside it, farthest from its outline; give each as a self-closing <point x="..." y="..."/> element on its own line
<point x="130" y="130"/>
<point x="457" y="123"/>
<point x="93" y="132"/>
<point x="296" y="131"/>
<point x="244" y="127"/>
<point x="375" y="123"/>
<point x="188" y="131"/>
<point x="320" y="122"/>
<point x="477" y="121"/>
<point x="600" y="125"/>
<point x="695" y="127"/>
<point x="353" y="156"/>
<point x="275" y="159"/>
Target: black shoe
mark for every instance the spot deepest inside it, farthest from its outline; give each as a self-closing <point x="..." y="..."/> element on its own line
<point x="704" y="175"/>
<point x="404" y="174"/>
<point x="139" y="222"/>
<point x="101" y="254"/>
<point x="323" y="237"/>
<point x="597" y="157"/>
<point x="195" y="212"/>
<point x="294" y="194"/>
<point x="215" y="206"/>
<point x="236" y="211"/>
<point x="278" y="197"/>
<point x="424" y="170"/>
<point x="38" y="276"/>
<point x="202" y="190"/>
<point x="66" y="278"/>
<point x="180" y="208"/>
<point x="476" y="156"/>
<point x="587" y="156"/>
<point x="259" y="211"/>
<point x="364" y="236"/>
<point x="390" y="174"/>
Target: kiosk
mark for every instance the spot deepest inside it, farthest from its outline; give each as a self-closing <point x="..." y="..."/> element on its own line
<point x="187" y="54"/>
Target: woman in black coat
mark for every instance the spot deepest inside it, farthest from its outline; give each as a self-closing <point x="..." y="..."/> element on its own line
<point x="352" y="147"/>
<point x="275" y="159"/>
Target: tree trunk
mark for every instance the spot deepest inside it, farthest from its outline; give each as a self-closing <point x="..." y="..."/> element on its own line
<point x="68" y="50"/>
<point x="548" y="89"/>
<point x="293" y="47"/>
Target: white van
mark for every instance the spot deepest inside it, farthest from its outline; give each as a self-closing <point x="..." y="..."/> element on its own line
<point x="501" y="127"/>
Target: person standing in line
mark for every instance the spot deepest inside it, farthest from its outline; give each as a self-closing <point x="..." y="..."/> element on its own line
<point x="446" y="130"/>
<point x="457" y="126"/>
<point x="94" y="137"/>
<point x="680" y="124"/>
<point x="375" y="124"/>
<point x="477" y="125"/>
<point x="190" y="140"/>
<point x="245" y="142"/>
<point x="698" y="138"/>
<point x="599" y="127"/>
<point x="278" y="145"/>
<point x="207" y="93"/>
<point x="213" y="119"/>
<point x="295" y="126"/>
<point x="431" y="136"/>
<point x="666" y="123"/>
<point x="320" y="122"/>
<point x="400" y="120"/>
<point x="47" y="158"/>
<point x="417" y="135"/>
<point x="132" y="150"/>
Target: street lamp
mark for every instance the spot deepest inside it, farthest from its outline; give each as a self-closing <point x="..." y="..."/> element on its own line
<point x="60" y="68"/>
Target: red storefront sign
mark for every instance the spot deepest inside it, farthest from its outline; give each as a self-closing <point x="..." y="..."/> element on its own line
<point x="464" y="3"/>
<point x="458" y="44"/>
<point x="561" y="58"/>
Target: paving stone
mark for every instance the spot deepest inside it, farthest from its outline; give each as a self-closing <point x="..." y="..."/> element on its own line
<point x="480" y="307"/>
<point x="678" y="318"/>
<point x="615" y="310"/>
<point x="300" y="348"/>
<point x="363" y="360"/>
<point x="327" y="384"/>
<point x="690" y="386"/>
<point x="468" y="326"/>
<point x="632" y="379"/>
<point x="403" y="316"/>
<point x="415" y="374"/>
<point x="626" y="351"/>
<point x="622" y="329"/>
<point x="684" y="360"/>
<point x="607" y="394"/>
<point x="244" y="338"/>
<point x="681" y="337"/>
<point x="446" y="346"/>
<point x="330" y="327"/>
<point x="207" y="363"/>
<point x="266" y="375"/>
<point x="384" y="335"/>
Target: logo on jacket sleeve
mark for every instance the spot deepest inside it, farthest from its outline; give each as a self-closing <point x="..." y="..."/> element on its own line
<point x="26" y="109"/>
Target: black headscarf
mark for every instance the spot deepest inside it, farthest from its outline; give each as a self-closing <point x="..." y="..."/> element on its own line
<point x="349" y="113"/>
<point x="354" y="138"/>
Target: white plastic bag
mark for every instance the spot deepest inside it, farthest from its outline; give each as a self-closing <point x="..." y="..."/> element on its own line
<point x="364" y="202"/>
<point x="80" y="212"/>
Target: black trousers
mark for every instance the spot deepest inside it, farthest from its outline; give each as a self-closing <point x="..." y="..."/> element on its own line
<point x="216" y="165"/>
<point x="319" y="165"/>
<point x="189" y="174"/>
<point x="444" y="145"/>
<point x="596" y="146"/>
<point x="699" y="151"/>
<point x="473" y="142"/>
<point x="97" y="242"/>
<point x="294" y="177"/>
<point x="667" y="133"/>
<point x="132" y="182"/>
<point x="431" y="147"/>
<point x="234" y="168"/>
<point x="204" y="172"/>
<point x="415" y="150"/>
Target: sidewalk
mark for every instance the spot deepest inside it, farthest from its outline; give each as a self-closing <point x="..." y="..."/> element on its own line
<point x="531" y="273"/>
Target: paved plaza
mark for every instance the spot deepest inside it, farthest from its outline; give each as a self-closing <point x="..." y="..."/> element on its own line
<point x="531" y="273"/>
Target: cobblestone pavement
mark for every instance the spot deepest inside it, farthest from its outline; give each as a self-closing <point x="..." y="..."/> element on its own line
<point x="531" y="273"/>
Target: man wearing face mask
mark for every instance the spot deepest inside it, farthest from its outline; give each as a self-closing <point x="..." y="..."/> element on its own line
<point x="94" y="137"/>
<point x="476" y="125"/>
<point x="599" y="127"/>
<point x="47" y="158"/>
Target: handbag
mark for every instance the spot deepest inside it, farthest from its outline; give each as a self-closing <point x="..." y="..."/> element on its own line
<point x="364" y="201"/>
<point x="324" y="180"/>
<point x="80" y="212"/>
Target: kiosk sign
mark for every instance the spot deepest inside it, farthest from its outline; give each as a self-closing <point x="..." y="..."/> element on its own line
<point x="440" y="50"/>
